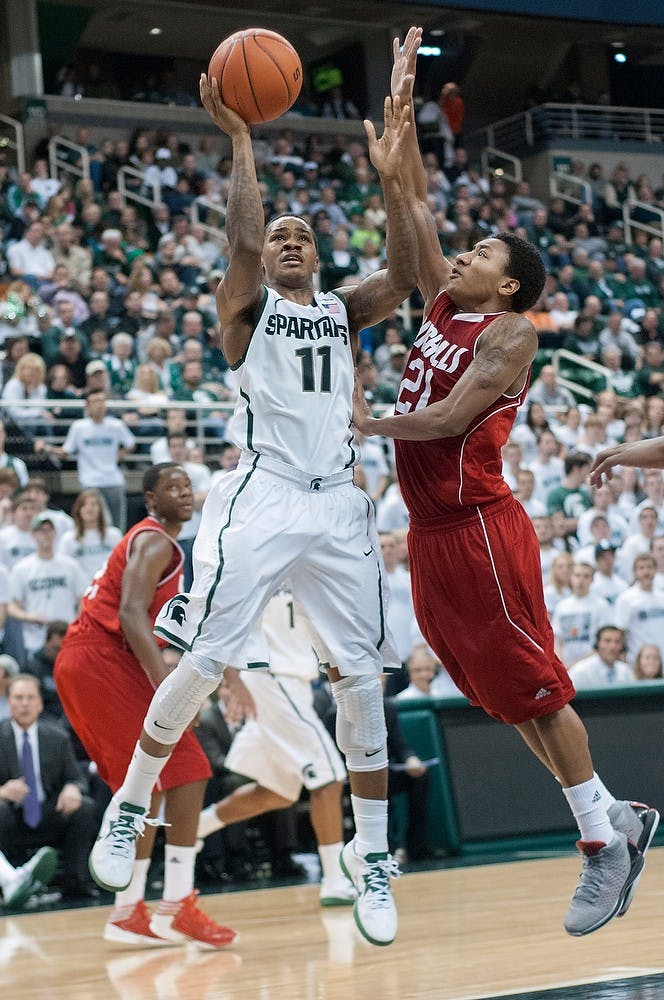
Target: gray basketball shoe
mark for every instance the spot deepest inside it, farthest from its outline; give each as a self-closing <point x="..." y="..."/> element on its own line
<point x="639" y="823"/>
<point x="608" y="873"/>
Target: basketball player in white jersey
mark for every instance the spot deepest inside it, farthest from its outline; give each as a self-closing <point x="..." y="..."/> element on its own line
<point x="285" y="746"/>
<point x="290" y="510"/>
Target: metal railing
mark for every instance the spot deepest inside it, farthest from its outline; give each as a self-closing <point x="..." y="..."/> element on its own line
<point x="213" y="207"/>
<point x="560" y="184"/>
<point x="558" y="360"/>
<point x="60" y="163"/>
<point x="592" y="122"/>
<point x="129" y="194"/>
<point x="17" y="143"/>
<point x="498" y="163"/>
<point x="655" y="227"/>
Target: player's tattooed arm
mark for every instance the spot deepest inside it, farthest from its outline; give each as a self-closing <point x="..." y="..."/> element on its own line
<point x="504" y="355"/>
<point x="240" y="291"/>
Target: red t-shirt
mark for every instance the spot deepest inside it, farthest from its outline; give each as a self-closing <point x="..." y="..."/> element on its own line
<point x="101" y="602"/>
<point x="448" y="475"/>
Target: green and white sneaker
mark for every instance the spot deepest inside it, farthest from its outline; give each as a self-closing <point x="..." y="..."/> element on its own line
<point x="609" y="872"/>
<point x="639" y="823"/>
<point x="374" y="911"/>
<point x="111" y="860"/>
<point x="33" y="875"/>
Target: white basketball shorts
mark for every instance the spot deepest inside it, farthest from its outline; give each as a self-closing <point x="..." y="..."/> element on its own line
<point x="265" y="523"/>
<point x="286" y="746"/>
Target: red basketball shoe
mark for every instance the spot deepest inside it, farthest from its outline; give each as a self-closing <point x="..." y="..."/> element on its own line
<point x="183" y="921"/>
<point x="130" y="926"/>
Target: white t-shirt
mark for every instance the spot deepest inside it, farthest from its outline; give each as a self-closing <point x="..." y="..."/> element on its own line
<point x="201" y="478"/>
<point x="640" y="613"/>
<point x="5" y="592"/>
<point x="575" y="622"/>
<point x="51" y="587"/>
<point x="592" y="672"/>
<point x="617" y="524"/>
<point x="15" y="544"/>
<point x="400" y="610"/>
<point x="608" y="587"/>
<point x="91" y="551"/>
<point x="374" y="463"/>
<point x="96" y="446"/>
<point x="391" y="512"/>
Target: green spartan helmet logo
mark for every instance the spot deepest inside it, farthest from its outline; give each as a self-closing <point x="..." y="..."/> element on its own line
<point x="176" y="611"/>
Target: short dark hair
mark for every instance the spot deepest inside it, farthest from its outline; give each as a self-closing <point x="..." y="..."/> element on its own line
<point x="56" y="627"/>
<point x="152" y="475"/>
<point x="524" y="263"/>
<point x="576" y="461"/>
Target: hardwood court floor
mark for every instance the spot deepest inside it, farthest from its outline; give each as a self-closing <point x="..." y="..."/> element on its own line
<point x="486" y="931"/>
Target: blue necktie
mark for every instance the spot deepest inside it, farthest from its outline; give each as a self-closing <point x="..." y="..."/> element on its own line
<point x="32" y="811"/>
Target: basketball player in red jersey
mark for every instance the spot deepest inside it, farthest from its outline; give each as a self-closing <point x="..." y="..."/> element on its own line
<point x="106" y="672"/>
<point x="467" y="373"/>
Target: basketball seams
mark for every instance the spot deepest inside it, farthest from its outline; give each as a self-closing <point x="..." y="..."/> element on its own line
<point x="288" y="48"/>
<point x="259" y="78"/>
<point x="249" y="80"/>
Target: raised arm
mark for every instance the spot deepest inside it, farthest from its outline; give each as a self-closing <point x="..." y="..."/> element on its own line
<point x="380" y="294"/>
<point x="434" y="269"/>
<point x="647" y="454"/>
<point x="240" y="291"/>
<point x="504" y="354"/>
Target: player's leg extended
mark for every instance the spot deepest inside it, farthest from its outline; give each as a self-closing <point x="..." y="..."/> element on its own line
<point x="362" y="737"/>
<point x="613" y="834"/>
<point x="243" y="803"/>
<point x="327" y="821"/>
<point x="178" y="918"/>
<point x="174" y="706"/>
<point x="128" y="923"/>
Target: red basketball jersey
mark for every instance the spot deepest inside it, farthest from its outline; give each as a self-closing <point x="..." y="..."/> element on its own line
<point x="450" y="474"/>
<point x="101" y="602"/>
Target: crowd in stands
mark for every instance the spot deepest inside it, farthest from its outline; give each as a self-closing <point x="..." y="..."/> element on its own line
<point x="102" y="300"/>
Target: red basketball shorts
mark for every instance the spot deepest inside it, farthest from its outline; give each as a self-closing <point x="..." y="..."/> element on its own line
<point x="106" y="693"/>
<point x="477" y="592"/>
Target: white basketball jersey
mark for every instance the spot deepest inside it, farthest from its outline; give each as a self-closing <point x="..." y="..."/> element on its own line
<point x="288" y="638"/>
<point x="296" y="385"/>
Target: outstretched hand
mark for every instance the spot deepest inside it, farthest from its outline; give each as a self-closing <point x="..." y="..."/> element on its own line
<point x="225" y="119"/>
<point x="403" y="69"/>
<point x="385" y="153"/>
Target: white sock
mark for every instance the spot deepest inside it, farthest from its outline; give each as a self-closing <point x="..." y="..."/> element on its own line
<point x="178" y="872"/>
<point x="329" y="860"/>
<point x="607" y="797"/>
<point x="370" y="817"/>
<point x="209" y="822"/>
<point x="589" y="807"/>
<point x="135" y="891"/>
<point x="7" y="871"/>
<point x="140" y="779"/>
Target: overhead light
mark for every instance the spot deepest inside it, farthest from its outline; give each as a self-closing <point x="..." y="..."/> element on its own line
<point x="437" y="32"/>
<point x="620" y="57"/>
<point x="155" y="31"/>
<point x="429" y="50"/>
<point x="617" y="45"/>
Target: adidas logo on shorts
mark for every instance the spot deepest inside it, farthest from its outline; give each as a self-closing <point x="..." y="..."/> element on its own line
<point x="542" y="693"/>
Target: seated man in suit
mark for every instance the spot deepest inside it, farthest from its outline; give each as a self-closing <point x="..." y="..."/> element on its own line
<point x="41" y="790"/>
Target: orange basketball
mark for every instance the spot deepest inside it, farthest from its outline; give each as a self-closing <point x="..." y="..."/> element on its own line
<point x="259" y="74"/>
